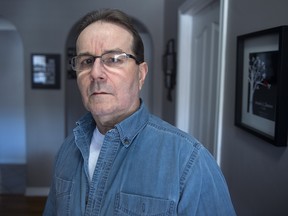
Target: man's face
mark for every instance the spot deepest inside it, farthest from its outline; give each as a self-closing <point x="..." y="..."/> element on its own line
<point x="110" y="94"/>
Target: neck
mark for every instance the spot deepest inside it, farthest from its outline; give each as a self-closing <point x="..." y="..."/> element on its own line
<point x="106" y="123"/>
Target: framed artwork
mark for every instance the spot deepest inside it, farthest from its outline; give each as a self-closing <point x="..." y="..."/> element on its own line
<point x="262" y="84"/>
<point x="45" y="71"/>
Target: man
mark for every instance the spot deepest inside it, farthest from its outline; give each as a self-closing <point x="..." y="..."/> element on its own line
<point x="121" y="160"/>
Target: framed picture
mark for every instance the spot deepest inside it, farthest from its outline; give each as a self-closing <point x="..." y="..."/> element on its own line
<point x="45" y="71"/>
<point x="262" y="84"/>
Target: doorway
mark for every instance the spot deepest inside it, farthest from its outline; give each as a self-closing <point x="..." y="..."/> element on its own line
<point x="12" y="111"/>
<point x="200" y="76"/>
<point x="12" y="148"/>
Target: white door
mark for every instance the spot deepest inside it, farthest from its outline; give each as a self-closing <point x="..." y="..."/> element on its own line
<point x="198" y="74"/>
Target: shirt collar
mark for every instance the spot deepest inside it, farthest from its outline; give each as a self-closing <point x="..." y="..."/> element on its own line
<point x="127" y="129"/>
<point x="131" y="126"/>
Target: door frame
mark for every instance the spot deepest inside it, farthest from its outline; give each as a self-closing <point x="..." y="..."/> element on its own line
<point x="186" y="13"/>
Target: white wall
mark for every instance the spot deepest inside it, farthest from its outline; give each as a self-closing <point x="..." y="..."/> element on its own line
<point x="257" y="172"/>
<point x="44" y="27"/>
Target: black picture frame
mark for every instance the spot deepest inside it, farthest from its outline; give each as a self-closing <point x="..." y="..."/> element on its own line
<point x="45" y="72"/>
<point x="261" y="105"/>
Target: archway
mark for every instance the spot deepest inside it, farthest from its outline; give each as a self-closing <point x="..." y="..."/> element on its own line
<point x="12" y="110"/>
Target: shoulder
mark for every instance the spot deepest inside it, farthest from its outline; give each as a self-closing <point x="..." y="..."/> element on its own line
<point x="186" y="145"/>
<point x="66" y="149"/>
<point x="166" y="129"/>
<point x="170" y="139"/>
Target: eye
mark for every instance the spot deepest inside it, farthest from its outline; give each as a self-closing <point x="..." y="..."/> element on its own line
<point x="86" y="60"/>
<point x="111" y="59"/>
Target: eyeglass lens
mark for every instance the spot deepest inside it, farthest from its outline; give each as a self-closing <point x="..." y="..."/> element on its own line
<point x="111" y="59"/>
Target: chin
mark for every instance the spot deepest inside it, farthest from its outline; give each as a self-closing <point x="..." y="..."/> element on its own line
<point x="101" y="109"/>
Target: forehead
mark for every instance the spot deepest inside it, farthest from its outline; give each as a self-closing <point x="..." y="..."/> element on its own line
<point x="100" y="36"/>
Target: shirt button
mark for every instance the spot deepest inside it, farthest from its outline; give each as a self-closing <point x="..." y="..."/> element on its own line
<point x="126" y="141"/>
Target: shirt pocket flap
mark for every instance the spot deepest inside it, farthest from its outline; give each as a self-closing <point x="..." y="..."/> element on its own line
<point x="63" y="187"/>
<point x="132" y="204"/>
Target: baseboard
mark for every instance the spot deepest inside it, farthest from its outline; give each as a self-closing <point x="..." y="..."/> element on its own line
<point x="37" y="191"/>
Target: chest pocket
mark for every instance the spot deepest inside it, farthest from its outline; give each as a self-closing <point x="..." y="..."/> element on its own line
<point x="136" y="205"/>
<point x="63" y="195"/>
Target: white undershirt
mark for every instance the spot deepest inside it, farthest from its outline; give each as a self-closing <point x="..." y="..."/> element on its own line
<point x="95" y="147"/>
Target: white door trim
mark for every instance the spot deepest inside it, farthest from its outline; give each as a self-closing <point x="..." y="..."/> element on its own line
<point x="185" y="18"/>
<point x="184" y="64"/>
<point x="186" y="12"/>
<point x="221" y="78"/>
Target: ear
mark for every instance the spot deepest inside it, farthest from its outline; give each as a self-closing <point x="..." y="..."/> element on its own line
<point x="143" y="70"/>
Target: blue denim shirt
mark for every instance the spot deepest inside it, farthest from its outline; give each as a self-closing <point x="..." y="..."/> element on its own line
<point x="145" y="167"/>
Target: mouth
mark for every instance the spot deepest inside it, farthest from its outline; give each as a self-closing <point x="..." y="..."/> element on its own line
<point x="95" y="90"/>
<point x="99" y="93"/>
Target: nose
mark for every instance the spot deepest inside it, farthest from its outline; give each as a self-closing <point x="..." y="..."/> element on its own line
<point x="97" y="71"/>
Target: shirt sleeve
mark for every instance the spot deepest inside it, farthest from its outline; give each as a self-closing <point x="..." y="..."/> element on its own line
<point x="204" y="190"/>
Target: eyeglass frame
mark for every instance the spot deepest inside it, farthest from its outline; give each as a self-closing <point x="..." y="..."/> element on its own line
<point x="127" y="55"/>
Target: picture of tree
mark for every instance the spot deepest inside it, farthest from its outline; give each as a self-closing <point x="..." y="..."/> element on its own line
<point x="261" y="84"/>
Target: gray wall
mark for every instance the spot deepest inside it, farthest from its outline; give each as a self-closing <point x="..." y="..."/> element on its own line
<point x="44" y="27"/>
<point x="257" y="172"/>
<point x="12" y="110"/>
<point x="170" y="32"/>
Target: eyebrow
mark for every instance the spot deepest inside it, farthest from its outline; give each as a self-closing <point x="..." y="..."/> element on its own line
<point x="105" y="52"/>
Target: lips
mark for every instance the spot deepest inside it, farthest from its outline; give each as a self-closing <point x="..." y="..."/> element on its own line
<point x="96" y="89"/>
<point x="99" y="93"/>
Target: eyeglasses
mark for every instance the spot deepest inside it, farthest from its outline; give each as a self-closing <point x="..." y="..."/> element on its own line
<point x="111" y="60"/>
